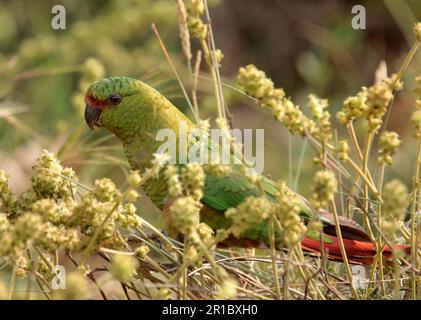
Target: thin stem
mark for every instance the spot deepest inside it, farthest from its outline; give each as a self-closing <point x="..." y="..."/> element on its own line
<point x="12" y="283"/>
<point x="196" y="81"/>
<point x="379" y="223"/>
<point x="208" y="59"/>
<point x="300" y="164"/>
<point x="414" y="202"/>
<point x="354" y="140"/>
<point x="366" y="152"/>
<point x="342" y="248"/>
<point x="371" y="186"/>
<point x="286" y="275"/>
<point x="274" y="265"/>
<point x="217" y="76"/>
<point x="164" y="49"/>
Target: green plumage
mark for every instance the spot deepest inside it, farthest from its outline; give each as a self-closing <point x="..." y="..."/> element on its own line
<point x="135" y="121"/>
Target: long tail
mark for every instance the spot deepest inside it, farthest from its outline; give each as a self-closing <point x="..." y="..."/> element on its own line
<point x="358" y="252"/>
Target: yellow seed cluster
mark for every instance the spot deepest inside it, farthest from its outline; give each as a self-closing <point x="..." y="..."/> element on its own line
<point x="379" y="97"/>
<point x="53" y="214"/>
<point x="324" y="187"/>
<point x="50" y="179"/>
<point x="105" y="190"/>
<point x="77" y="287"/>
<point x="89" y="215"/>
<point x="417" y="30"/>
<point x="142" y="251"/>
<point x="342" y="150"/>
<point x="53" y="211"/>
<point x="92" y="70"/>
<point x="227" y="289"/>
<point x="183" y="29"/>
<point x="132" y="195"/>
<point x="158" y="162"/>
<point x="184" y="214"/>
<point x="353" y="108"/>
<point x="195" y="241"/>
<point x="49" y="216"/>
<point x="218" y="170"/>
<point x="193" y="178"/>
<point x="163" y="294"/>
<point x="388" y="144"/>
<point x="128" y="217"/>
<point x="257" y="85"/>
<point x="195" y="24"/>
<point x="395" y="195"/>
<point x="6" y="199"/>
<point x="323" y="131"/>
<point x="250" y="211"/>
<point x="294" y="119"/>
<point x="287" y="211"/>
<point x="370" y="103"/>
<point x="205" y="233"/>
<point x="134" y="179"/>
<point x="175" y="188"/>
<point x="416" y="116"/>
<point x="123" y="267"/>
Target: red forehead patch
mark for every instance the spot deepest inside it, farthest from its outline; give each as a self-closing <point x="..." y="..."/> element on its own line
<point x="95" y="103"/>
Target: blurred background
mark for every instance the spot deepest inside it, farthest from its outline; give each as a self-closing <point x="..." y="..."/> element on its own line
<point x="304" y="46"/>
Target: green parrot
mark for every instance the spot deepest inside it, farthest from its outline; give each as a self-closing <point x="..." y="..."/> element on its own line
<point x="134" y="111"/>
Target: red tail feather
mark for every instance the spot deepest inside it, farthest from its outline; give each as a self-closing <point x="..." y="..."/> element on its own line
<point x="358" y="252"/>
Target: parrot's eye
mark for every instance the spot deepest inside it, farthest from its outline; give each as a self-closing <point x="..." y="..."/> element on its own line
<point x="115" y="99"/>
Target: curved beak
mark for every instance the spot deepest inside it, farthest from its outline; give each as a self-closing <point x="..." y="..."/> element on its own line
<point x="92" y="115"/>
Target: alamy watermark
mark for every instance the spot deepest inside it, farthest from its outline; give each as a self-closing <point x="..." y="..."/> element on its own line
<point x="58" y="22"/>
<point x="59" y="280"/>
<point x="359" y="277"/>
<point x="218" y="146"/>
<point x="359" y="18"/>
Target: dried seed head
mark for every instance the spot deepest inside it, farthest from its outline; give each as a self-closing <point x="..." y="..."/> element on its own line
<point x="325" y="186"/>
<point x="193" y="178"/>
<point x="123" y="267"/>
<point x="142" y="251"/>
<point x="416" y="121"/>
<point x="105" y="190"/>
<point x="395" y="195"/>
<point x="184" y="214"/>
<point x="127" y="216"/>
<point x="134" y="179"/>
<point x="379" y="97"/>
<point x="132" y="196"/>
<point x="417" y="30"/>
<point x="175" y="188"/>
<point x="257" y="85"/>
<point x="7" y="198"/>
<point x="158" y="162"/>
<point x="287" y="211"/>
<point x="317" y="106"/>
<point x="163" y="294"/>
<point x="47" y="177"/>
<point x="250" y="211"/>
<point x="77" y="287"/>
<point x="196" y="27"/>
<point x="388" y="144"/>
<point x="93" y="70"/>
<point x="353" y="108"/>
<point x="343" y="150"/>
<point x="183" y="29"/>
<point x="227" y="289"/>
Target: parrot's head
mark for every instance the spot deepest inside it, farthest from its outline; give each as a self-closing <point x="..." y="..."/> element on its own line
<point x="111" y="103"/>
<point x="130" y="109"/>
